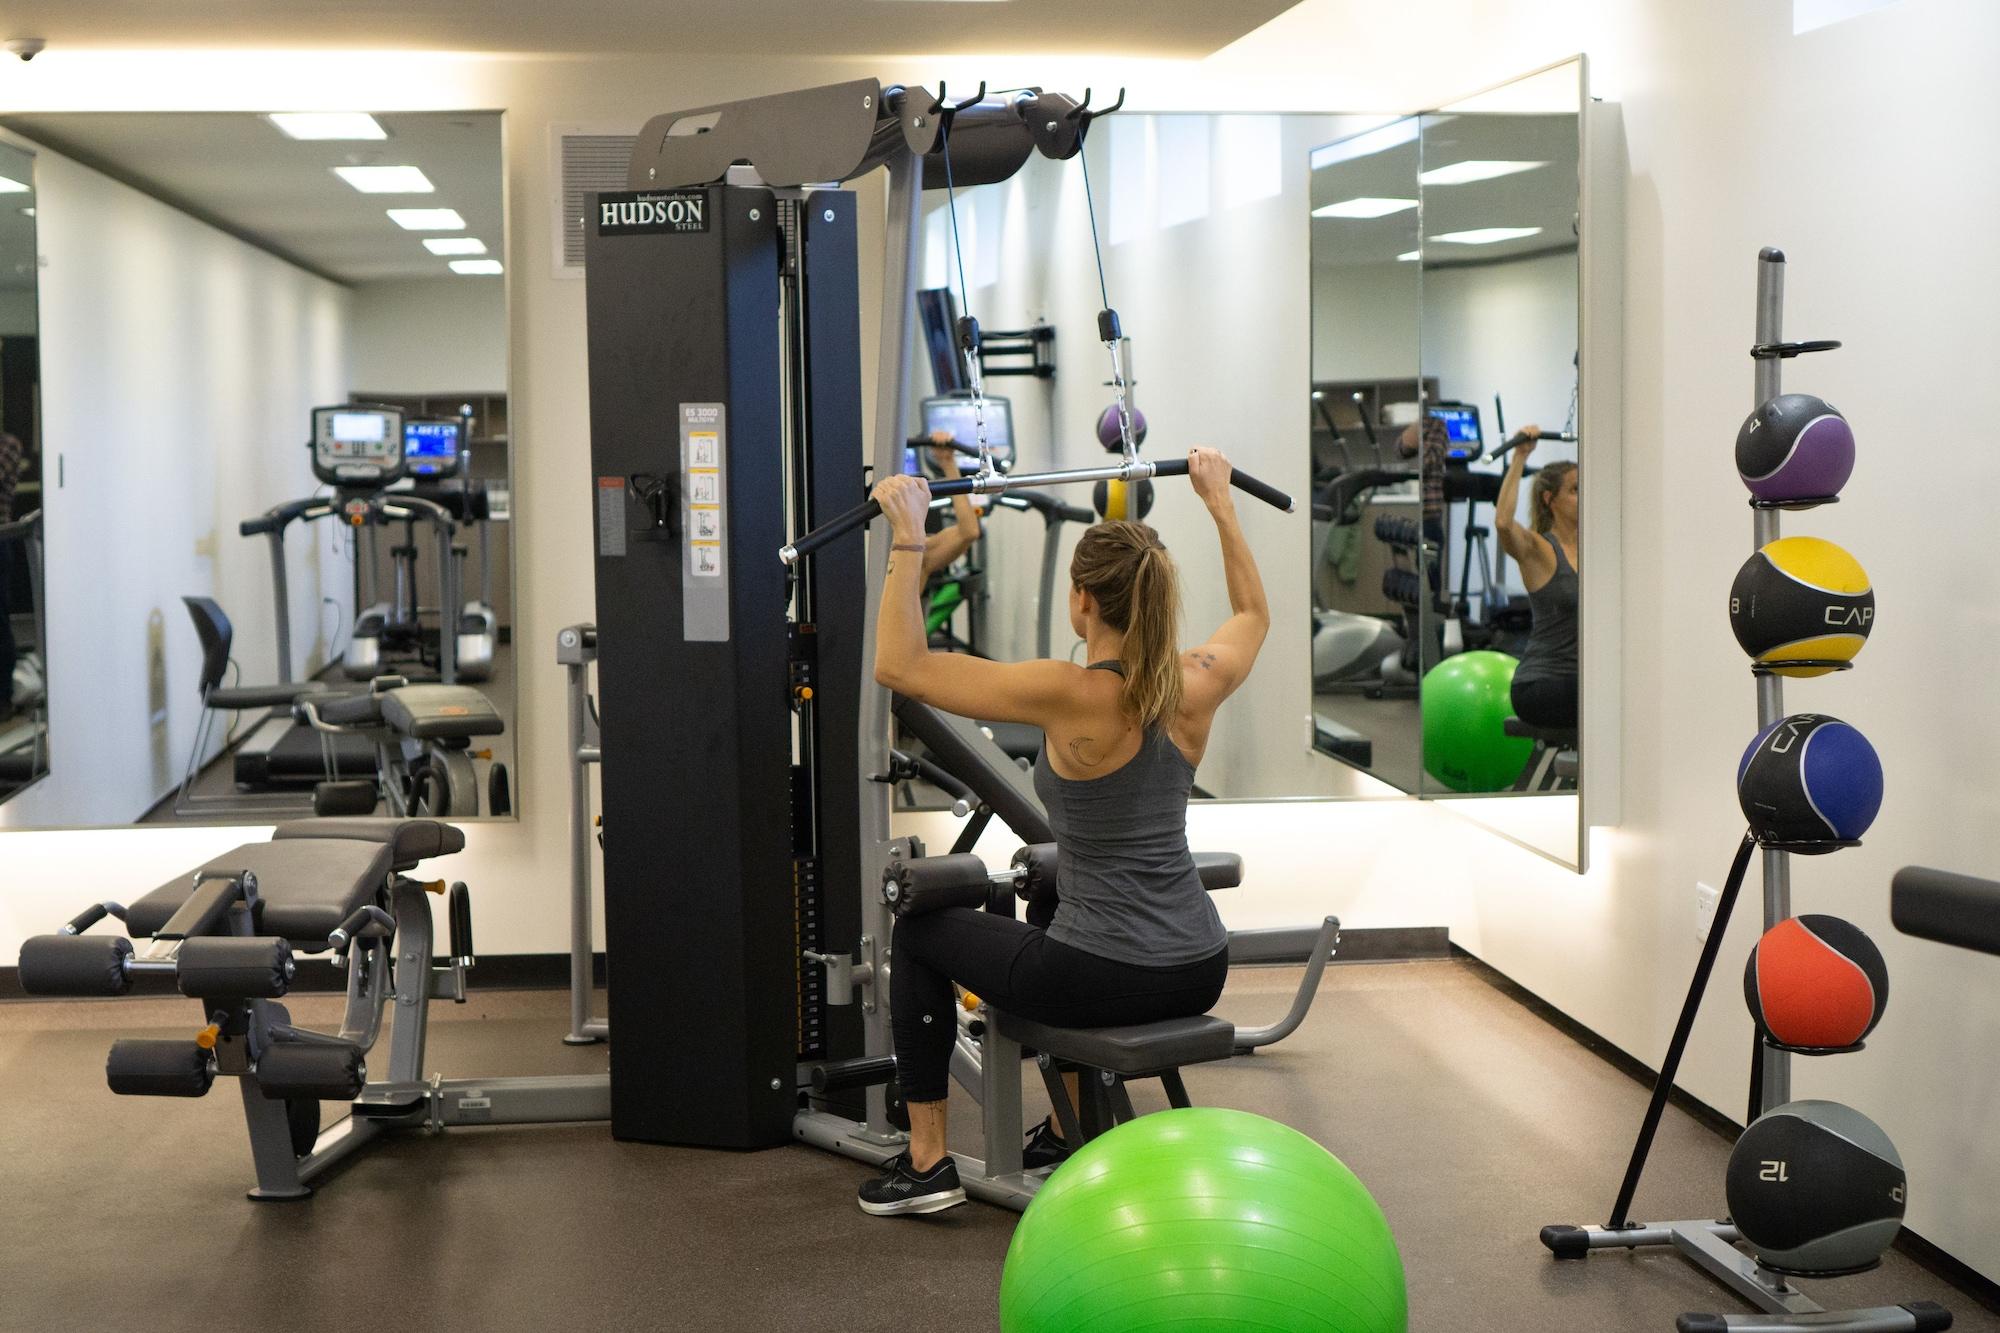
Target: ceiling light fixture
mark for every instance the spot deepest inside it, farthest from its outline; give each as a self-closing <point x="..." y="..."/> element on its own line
<point x="1366" y="206"/>
<point x="386" y="180"/>
<point x="1478" y="169"/>
<point x="328" y="125"/>
<point x="1487" y="235"/>
<point x="11" y="186"/>
<point x="456" y="245"/>
<point x="1409" y="255"/>
<point x="427" y="219"/>
<point x="476" y="267"/>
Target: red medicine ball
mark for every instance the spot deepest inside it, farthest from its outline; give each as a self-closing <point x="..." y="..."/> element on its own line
<point x="1816" y="982"/>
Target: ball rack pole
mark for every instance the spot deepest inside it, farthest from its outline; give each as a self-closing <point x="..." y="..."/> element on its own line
<point x="1774" y="1067"/>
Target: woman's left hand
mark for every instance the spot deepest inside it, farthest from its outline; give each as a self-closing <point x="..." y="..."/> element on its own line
<point x="905" y="500"/>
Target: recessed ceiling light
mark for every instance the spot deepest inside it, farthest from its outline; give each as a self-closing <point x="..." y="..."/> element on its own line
<point x="1487" y="235"/>
<point x="1478" y="169"/>
<point x="427" y="219"/>
<point x="1364" y="207"/>
<point x="1409" y="255"/>
<point x="456" y="245"/>
<point x="328" y="125"/>
<point x="9" y="186"/>
<point x="475" y="267"/>
<point x="386" y="180"/>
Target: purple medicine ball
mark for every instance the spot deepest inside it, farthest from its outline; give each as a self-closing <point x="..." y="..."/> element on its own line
<point x="1107" y="428"/>
<point x="1795" y="447"/>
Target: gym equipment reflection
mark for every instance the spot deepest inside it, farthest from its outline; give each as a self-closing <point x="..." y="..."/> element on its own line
<point x="24" y="638"/>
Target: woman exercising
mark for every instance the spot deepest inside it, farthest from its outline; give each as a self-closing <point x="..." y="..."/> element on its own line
<point x="1544" y="692"/>
<point x="1135" y="938"/>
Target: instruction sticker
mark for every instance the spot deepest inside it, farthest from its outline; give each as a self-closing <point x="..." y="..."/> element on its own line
<point x="611" y="516"/>
<point x="705" y="557"/>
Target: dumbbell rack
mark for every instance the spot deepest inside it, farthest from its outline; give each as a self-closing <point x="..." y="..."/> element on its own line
<point x="1709" y="1243"/>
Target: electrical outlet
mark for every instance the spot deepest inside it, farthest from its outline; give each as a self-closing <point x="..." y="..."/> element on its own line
<point x="1705" y="899"/>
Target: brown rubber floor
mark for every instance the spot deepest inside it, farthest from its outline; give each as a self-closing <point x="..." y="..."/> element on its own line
<point x="1473" y="1121"/>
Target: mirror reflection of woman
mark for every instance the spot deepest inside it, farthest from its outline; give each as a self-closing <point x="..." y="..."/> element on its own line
<point x="1544" y="692"/>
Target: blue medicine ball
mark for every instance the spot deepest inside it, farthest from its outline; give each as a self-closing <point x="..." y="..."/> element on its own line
<point x="1810" y="782"/>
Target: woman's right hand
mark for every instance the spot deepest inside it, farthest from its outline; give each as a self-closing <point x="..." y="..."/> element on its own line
<point x="1528" y="436"/>
<point x="1209" y="471"/>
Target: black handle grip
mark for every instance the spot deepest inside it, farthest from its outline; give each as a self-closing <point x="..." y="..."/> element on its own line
<point x="93" y="914"/>
<point x="858" y="517"/>
<point x="1241" y="480"/>
<point x="274" y="520"/>
<point x="1951" y="909"/>
<point x="460" y="904"/>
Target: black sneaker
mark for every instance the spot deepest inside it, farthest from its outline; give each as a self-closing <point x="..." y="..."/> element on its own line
<point x="1043" y="1148"/>
<point x="901" y="1190"/>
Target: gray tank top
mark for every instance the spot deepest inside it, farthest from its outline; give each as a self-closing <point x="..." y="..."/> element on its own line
<point x="1128" y="885"/>
<point x="1551" y="650"/>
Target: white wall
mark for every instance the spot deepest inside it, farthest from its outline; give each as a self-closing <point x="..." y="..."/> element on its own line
<point x="1740" y="135"/>
<point x="178" y="366"/>
<point x="439" y="335"/>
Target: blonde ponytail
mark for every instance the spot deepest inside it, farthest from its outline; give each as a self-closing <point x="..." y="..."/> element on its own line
<point x="1127" y="569"/>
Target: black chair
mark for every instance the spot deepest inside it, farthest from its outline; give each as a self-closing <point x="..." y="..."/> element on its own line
<point x="212" y="628"/>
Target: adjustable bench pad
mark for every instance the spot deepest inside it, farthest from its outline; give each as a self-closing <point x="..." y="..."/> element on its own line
<point x="1134" y="1052"/>
<point x="441" y="712"/>
<point x="309" y="886"/>
<point x="409" y="840"/>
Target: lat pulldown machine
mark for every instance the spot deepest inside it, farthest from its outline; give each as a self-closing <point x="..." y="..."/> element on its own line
<point x="748" y="852"/>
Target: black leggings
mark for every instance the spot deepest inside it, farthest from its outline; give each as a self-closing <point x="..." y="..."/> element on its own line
<point x="1018" y="968"/>
<point x="1549" y="701"/>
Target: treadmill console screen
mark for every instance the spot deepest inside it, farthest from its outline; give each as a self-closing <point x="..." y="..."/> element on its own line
<point x="357" y="446"/>
<point x="1464" y="441"/>
<point x="432" y="448"/>
<point x="955" y="414"/>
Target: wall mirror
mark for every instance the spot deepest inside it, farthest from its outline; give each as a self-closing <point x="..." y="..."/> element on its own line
<point x="24" y="714"/>
<point x="276" y="466"/>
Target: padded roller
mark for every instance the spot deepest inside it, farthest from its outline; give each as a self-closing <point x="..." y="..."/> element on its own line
<point x="1039" y="860"/>
<point x="75" y="965"/>
<point x="221" y="967"/>
<point x="322" y="1071"/>
<point x="158" y="1069"/>
<point x="345" y="797"/>
<point x="931" y="883"/>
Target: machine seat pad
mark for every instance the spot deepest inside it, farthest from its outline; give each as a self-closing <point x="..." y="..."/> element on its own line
<point x="1561" y="737"/>
<point x="1219" y="870"/>
<point x="409" y="840"/>
<point x="1134" y="1052"/>
<point x="309" y="885"/>
<point x="441" y="712"/>
<point x="262" y="696"/>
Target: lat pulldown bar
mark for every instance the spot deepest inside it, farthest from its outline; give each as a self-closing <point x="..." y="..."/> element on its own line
<point x="864" y="513"/>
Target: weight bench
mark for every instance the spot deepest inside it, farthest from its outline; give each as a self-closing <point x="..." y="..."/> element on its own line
<point x="432" y="725"/>
<point x="229" y="934"/>
<point x="1553" y="765"/>
<point x="1106" y="1059"/>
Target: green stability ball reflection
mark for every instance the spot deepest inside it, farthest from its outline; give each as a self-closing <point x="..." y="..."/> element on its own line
<point x="1203" y="1218"/>
<point x="1465" y="706"/>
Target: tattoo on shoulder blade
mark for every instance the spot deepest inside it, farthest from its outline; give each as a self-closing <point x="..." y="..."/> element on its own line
<point x="1077" y="751"/>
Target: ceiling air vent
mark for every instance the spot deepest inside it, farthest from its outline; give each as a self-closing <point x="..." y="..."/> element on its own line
<point x="586" y="160"/>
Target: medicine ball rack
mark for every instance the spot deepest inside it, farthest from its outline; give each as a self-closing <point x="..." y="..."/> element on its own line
<point x="1711" y="1243"/>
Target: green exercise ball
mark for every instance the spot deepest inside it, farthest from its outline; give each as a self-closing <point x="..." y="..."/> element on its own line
<point x="1465" y="704"/>
<point x="1203" y="1218"/>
